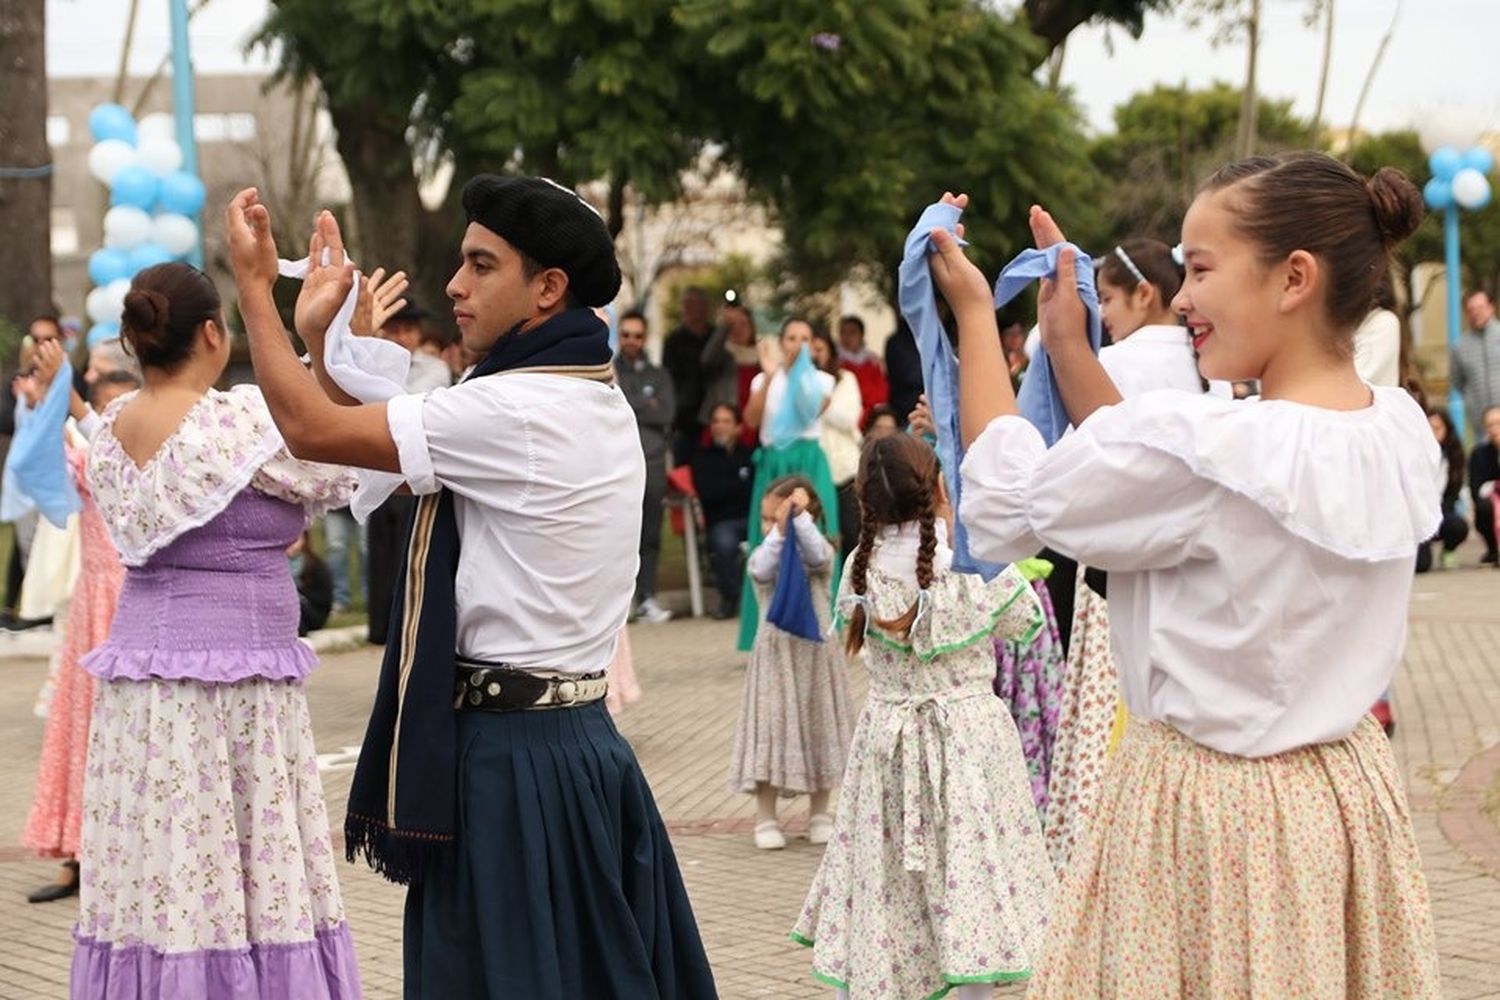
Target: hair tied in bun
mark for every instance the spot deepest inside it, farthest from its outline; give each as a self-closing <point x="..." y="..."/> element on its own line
<point x="1397" y="204"/>
<point x="146" y="314"/>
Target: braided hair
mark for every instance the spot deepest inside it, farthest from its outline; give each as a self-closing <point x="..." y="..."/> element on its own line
<point x="897" y="483"/>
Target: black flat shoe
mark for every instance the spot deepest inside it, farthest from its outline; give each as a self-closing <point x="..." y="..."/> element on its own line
<point x="57" y="890"/>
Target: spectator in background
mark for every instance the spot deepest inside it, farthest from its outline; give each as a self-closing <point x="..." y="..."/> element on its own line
<point x="724" y="476"/>
<point x="650" y="392"/>
<point x="1474" y="368"/>
<point x="1013" y="342"/>
<point x="106" y="357"/>
<point x="903" y="371"/>
<point x="1377" y="345"/>
<point x="1484" y="472"/>
<point x="314" y="585"/>
<point x="385" y="533"/>
<point x="682" y="357"/>
<point x="405" y="327"/>
<point x="855" y="357"/>
<point x="1453" y="529"/>
<point x="883" y="423"/>
<point x="841" y="437"/>
<point x="730" y="363"/>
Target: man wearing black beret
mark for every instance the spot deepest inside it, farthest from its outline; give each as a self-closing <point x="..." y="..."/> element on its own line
<point x="491" y="780"/>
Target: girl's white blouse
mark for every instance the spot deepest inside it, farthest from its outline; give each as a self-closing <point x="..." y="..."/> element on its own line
<point x="1260" y="557"/>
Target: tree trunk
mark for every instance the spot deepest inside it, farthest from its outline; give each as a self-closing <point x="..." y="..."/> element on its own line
<point x="25" y="173"/>
<point x="1317" y="117"/>
<point x="1249" y="102"/>
<point x="393" y="229"/>
<point x="1364" y="90"/>
<point x="118" y="95"/>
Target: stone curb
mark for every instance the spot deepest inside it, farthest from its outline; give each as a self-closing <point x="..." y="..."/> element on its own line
<point x="1461" y="810"/>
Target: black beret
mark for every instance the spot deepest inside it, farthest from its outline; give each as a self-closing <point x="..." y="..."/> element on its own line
<point x="551" y="225"/>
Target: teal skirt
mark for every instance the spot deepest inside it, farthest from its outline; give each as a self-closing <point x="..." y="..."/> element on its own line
<point x="803" y="457"/>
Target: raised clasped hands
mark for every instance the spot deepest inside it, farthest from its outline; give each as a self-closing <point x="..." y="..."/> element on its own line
<point x="1059" y="310"/>
<point x="380" y="298"/>
<point x="963" y="285"/>
<point x="329" y="278"/>
<point x="252" y="248"/>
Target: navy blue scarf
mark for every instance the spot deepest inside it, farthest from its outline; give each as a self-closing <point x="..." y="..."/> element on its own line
<point x="403" y="803"/>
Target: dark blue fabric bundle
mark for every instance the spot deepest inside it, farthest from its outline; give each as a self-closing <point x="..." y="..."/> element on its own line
<point x="792" y="608"/>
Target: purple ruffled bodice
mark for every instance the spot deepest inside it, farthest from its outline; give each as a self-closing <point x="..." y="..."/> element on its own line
<point x="217" y="604"/>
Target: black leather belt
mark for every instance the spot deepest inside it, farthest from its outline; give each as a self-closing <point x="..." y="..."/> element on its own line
<point x="489" y="687"/>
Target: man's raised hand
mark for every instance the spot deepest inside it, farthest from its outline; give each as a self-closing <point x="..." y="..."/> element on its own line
<point x="252" y="249"/>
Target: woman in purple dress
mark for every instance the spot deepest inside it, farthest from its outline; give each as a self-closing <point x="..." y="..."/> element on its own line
<point x="206" y="866"/>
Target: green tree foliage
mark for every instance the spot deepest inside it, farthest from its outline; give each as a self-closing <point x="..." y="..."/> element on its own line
<point x="844" y="116"/>
<point x="1479" y="232"/>
<point x="1166" y="142"/>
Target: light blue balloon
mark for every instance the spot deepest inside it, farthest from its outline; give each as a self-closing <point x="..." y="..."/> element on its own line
<point x="100" y="332"/>
<point x="1479" y="159"/>
<point x="106" y="265"/>
<point x="111" y="121"/>
<point x="1445" y="162"/>
<point x="1438" y="194"/>
<point x="134" y="185"/>
<point x="147" y="255"/>
<point x="181" y="194"/>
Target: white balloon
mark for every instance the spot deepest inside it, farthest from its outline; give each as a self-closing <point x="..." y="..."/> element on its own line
<point x="1448" y="127"/>
<point x="97" y="305"/>
<point x="157" y="125"/>
<point x="176" y="233"/>
<point x="126" y="226"/>
<point x="1471" y="189"/>
<point x="114" y="294"/>
<point x="108" y="157"/>
<point x="160" y="156"/>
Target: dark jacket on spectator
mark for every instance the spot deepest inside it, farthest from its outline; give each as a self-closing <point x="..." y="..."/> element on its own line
<point x="1484" y="467"/>
<point x="903" y="370"/>
<point x="682" y="357"/>
<point x="315" y="593"/>
<point x="649" y="390"/>
<point x="724" y="480"/>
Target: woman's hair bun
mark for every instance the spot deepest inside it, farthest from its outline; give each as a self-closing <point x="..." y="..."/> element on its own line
<point x="1397" y="204"/>
<point x="145" y="318"/>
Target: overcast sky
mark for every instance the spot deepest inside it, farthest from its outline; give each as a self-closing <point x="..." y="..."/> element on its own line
<point x="1445" y="55"/>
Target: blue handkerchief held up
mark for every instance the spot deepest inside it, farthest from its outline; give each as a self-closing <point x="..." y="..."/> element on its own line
<point x="37" y="461"/>
<point x="939" y="367"/>
<point x="791" y="607"/>
<point x="1040" y="400"/>
<point x="801" y="405"/>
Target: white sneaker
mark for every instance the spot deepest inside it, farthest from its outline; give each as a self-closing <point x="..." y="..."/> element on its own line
<point x="768" y="835"/>
<point x="819" y="828"/>
<point x="653" y="612"/>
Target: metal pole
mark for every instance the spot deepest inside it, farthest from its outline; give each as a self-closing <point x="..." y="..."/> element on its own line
<point x="183" y="104"/>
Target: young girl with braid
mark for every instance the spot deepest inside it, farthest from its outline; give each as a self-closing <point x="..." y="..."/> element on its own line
<point x="794" y="723"/>
<point x="936" y="875"/>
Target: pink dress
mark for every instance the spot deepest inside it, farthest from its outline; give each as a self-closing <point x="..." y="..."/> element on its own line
<point x="57" y="805"/>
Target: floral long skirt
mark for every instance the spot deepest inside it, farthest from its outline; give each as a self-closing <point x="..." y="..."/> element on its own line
<point x="1205" y="875"/>
<point x="206" y="865"/>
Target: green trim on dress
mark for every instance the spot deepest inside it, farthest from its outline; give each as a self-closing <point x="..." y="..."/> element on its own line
<point x="839" y="624"/>
<point x="949" y="980"/>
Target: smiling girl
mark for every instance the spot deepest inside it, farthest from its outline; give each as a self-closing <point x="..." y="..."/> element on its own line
<point x="1252" y="836"/>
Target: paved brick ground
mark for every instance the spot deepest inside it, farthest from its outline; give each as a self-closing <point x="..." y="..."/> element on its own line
<point x="1447" y="699"/>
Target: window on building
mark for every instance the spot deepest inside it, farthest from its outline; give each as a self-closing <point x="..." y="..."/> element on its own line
<point x="64" y="231"/>
<point x="59" y="130"/>
<point x="220" y="127"/>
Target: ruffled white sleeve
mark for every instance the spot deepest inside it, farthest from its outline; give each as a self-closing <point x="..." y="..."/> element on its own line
<point x="1117" y="505"/>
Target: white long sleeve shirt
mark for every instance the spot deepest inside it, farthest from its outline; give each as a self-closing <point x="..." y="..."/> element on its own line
<point x="547" y="474"/>
<point x="1259" y="556"/>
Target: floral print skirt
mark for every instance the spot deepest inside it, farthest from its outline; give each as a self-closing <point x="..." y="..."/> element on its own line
<point x="206" y="865"/>
<point x="1206" y="875"/>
